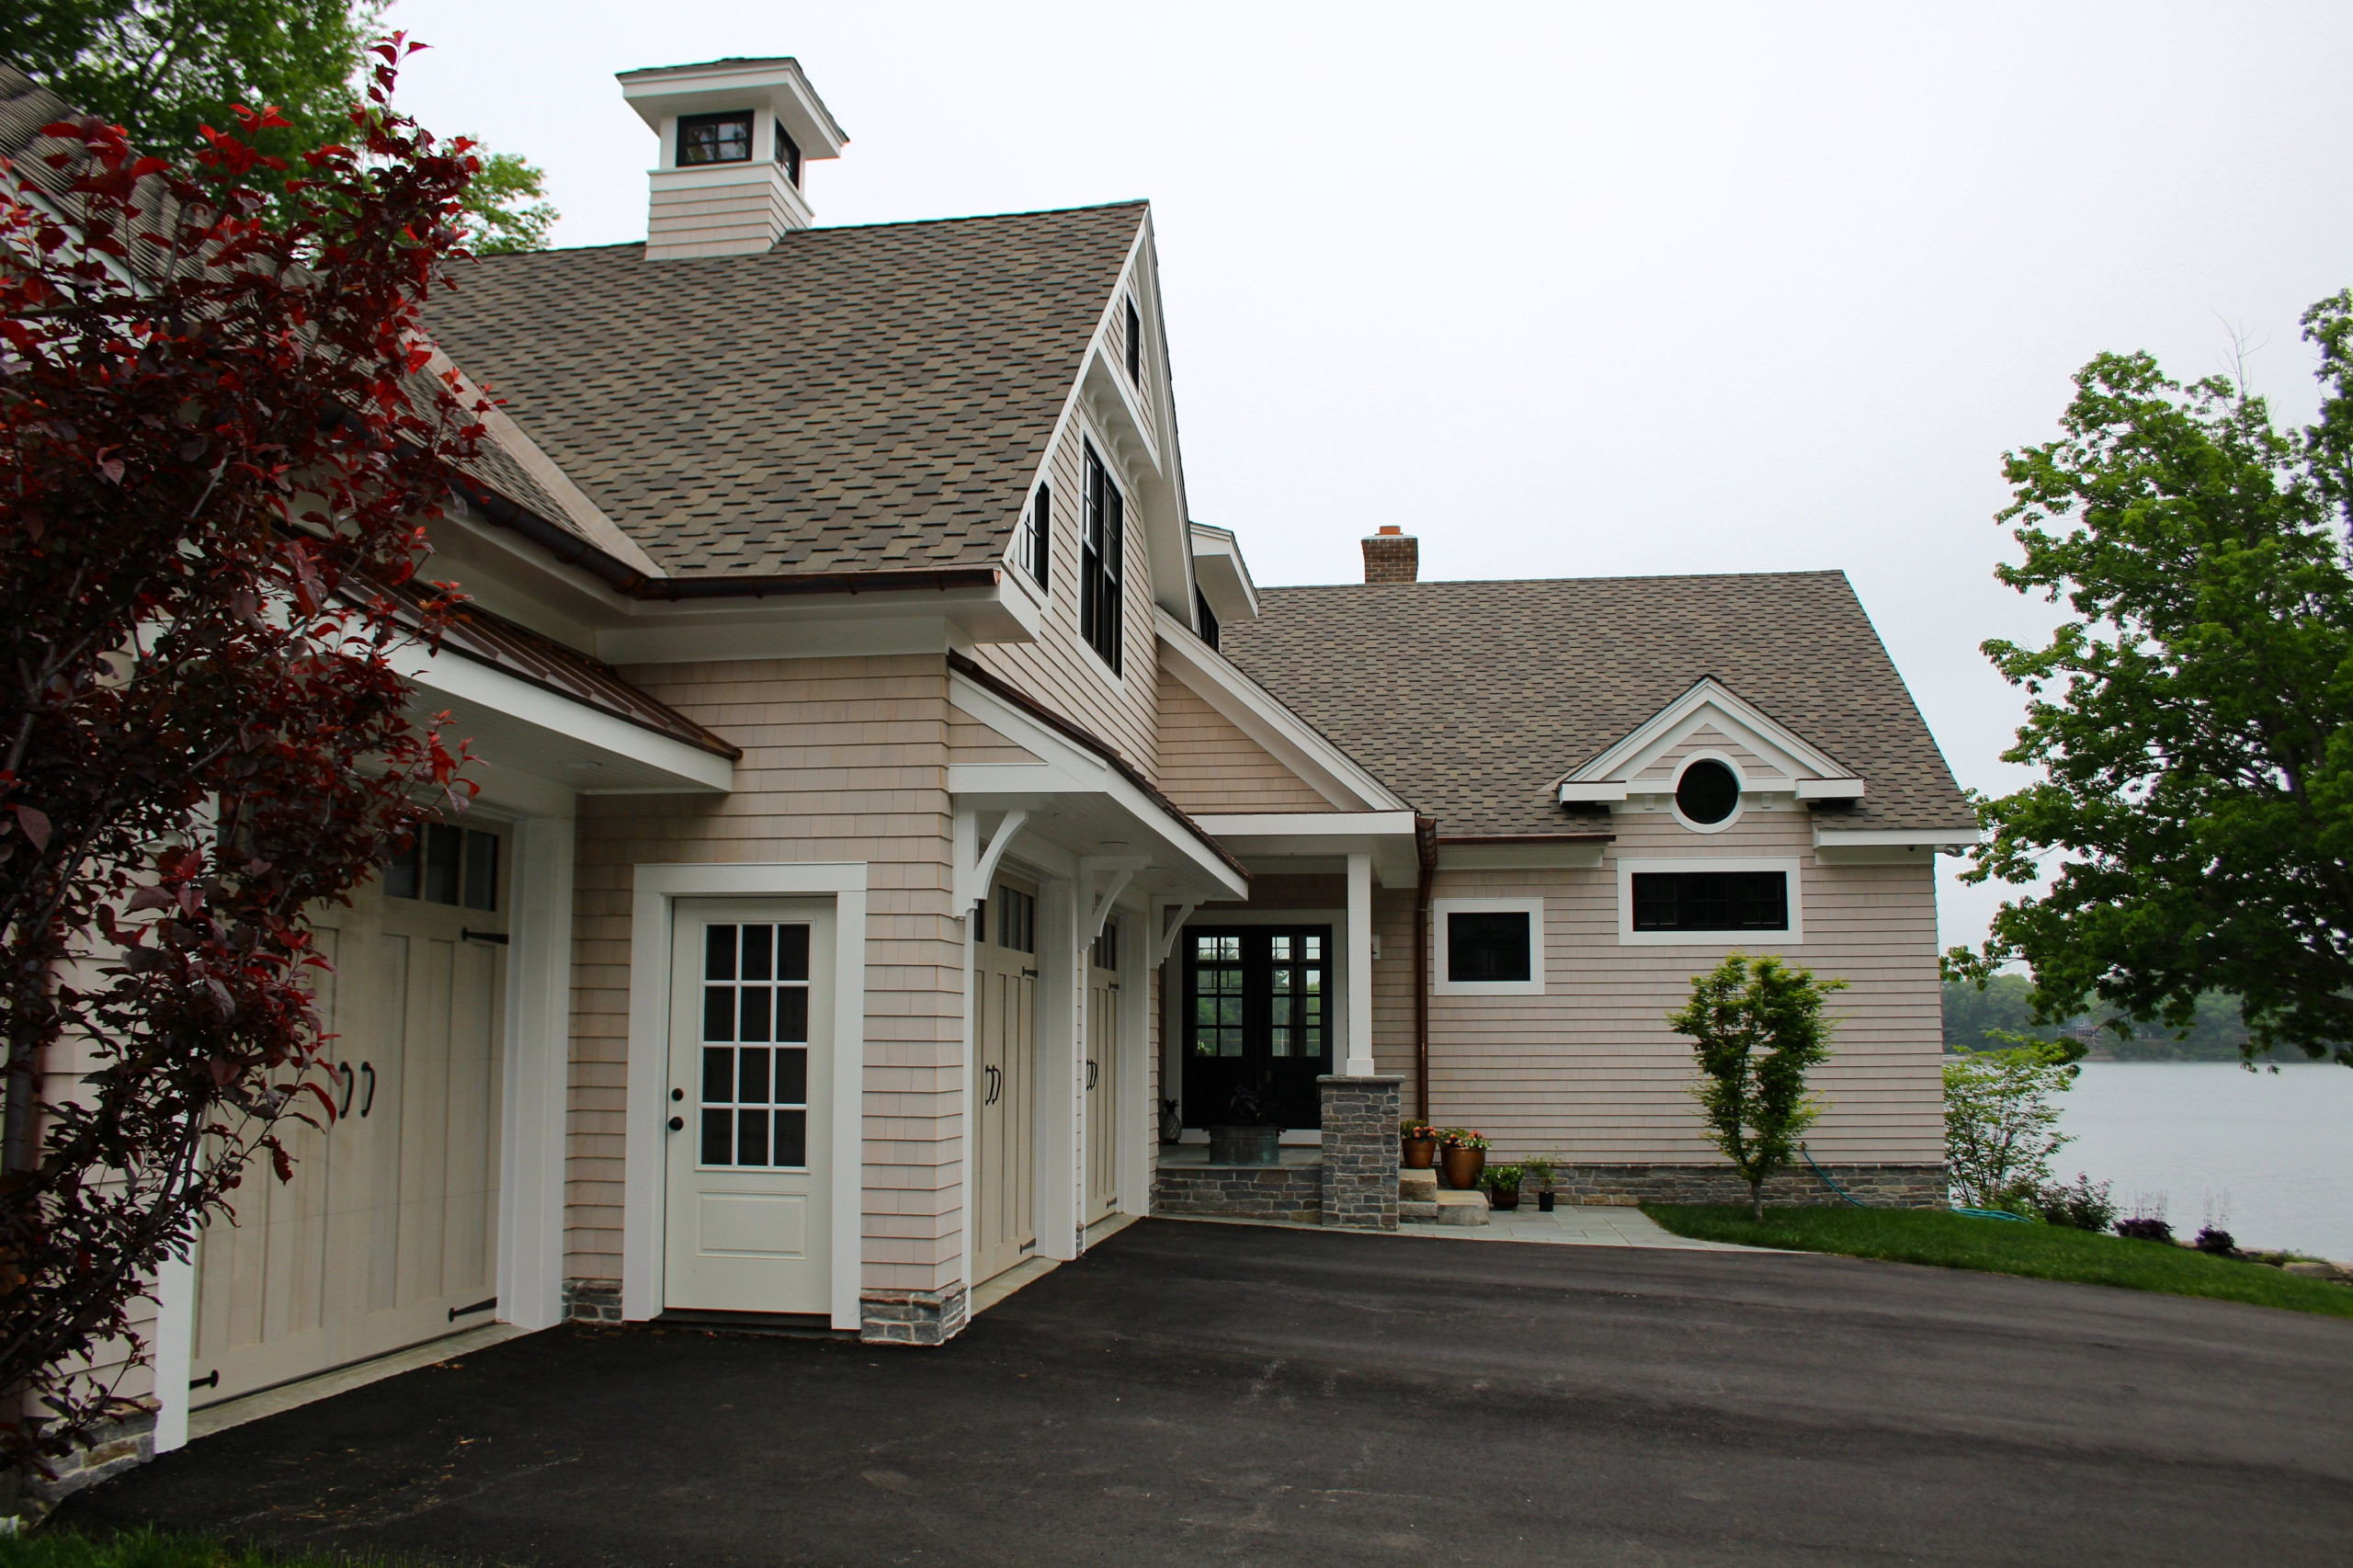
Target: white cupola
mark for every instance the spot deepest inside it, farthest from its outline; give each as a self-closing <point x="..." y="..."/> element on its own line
<point x="737" y="136"/>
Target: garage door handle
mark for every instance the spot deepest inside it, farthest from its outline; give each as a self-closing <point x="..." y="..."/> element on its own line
<point x="1090" y="1072"/>
<point x="369" y="1103"/>
<point x="343" y="1071"/>
<point x="996" y="1083"/>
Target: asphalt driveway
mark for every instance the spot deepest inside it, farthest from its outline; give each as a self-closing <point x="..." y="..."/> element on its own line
<point x="1220" y="1394"/>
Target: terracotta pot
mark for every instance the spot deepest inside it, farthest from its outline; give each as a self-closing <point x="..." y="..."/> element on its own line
<point x="1503" y="1197"/>
<point x="1415" y="1154"/>
<point x="1463" y="1167"/>
<point x="1245" y="1145"/>
<point x="1544" y="1201"/>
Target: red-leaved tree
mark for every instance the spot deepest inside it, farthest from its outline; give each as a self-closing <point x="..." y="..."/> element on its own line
<point x="218" y="442"/>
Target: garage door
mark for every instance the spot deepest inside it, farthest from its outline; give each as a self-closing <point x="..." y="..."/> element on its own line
<point x="1004" y="1091"/>
<point x="387" y="1234"/>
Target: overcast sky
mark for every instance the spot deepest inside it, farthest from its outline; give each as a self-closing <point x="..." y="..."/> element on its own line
<point x="1571" y="289"/>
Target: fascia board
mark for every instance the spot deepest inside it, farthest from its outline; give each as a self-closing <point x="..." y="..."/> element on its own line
<point x="1895" y="837"/>
<point x="1706" y="690"/>
<point x="465" y="681"/>
<point x="1311" y="824"/>
<point x="1830" y="788"/>
<point x="1593" y="794"/>
<point x="1254" y="710"/>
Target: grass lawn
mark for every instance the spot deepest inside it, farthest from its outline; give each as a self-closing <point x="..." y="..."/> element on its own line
<point x="1997" y="1246"/>
<point x="154" y="1549"/>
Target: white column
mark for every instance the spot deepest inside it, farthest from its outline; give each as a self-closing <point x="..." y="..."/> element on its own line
<point x="539" y="1051"/>
<point x="174" y="1348"/>
<point x="1359" y="1057"/>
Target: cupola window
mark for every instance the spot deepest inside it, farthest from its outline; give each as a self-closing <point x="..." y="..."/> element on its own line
<point x="714" y="139"/>
<point x="788" y="153"/>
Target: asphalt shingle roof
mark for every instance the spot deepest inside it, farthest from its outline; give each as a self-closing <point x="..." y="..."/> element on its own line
<point x="853" y="398"/>
<point x="1472" y="699"/>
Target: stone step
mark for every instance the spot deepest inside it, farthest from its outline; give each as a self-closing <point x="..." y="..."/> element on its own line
<point x="1462" y="1207"/>
<point x="1410" y="1210"/>
<point x="1418" y="1186"/>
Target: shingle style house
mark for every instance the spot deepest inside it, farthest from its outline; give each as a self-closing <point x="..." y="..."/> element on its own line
<point x="906" y="830"/>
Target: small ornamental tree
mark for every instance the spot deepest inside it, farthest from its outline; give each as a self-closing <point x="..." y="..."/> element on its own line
<point x="2001" y="1128"/>
<point x="217" y="445"/>
<point x="1757" y="1025"/>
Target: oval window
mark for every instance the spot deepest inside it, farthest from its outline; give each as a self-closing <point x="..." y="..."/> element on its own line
<point x="1707" y="792"/>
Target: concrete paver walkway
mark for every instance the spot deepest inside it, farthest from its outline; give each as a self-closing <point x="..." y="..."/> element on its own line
<point x="1594" y="1225"/>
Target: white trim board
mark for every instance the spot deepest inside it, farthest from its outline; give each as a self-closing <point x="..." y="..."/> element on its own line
<point x="1745" y="941"/>
<point x="645" y="1163"/>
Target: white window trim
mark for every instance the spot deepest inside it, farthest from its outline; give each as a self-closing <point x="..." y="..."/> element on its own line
<point x="1533" y="908"/>
<point x="1727" y="940"/>
<point x="1739" y="803"/>
<point x="645" y="1162"/>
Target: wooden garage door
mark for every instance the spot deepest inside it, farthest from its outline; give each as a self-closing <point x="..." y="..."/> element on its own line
<point x="1004" y="1210"/>
<point x="387" y="1234"/>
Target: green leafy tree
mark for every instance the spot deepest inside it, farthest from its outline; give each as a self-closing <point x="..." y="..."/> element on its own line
<point x="2001" y="1128"/>
<point x="164" y="69"/>
<point x="1756" y="1026"/>
<point x="2193" y="720"/>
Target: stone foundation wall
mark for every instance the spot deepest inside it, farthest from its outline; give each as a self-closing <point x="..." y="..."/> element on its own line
<point x="912" y="1317"/>
<point x="1878" y="1187"/>
<point x="111" y="1447"/>
<point x="592" y="1301"/>
<point x="1242" y="1192"/>
<point x="1359" y="1151"/>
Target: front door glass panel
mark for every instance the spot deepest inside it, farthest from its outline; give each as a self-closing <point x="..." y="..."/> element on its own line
<point x="1257" y="1016"/>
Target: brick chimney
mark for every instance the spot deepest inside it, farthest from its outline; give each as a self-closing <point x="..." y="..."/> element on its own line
<point x="1393" y="556"/>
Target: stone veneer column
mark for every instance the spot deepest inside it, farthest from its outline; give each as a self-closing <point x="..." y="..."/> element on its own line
<point x="1359" y="1151"/>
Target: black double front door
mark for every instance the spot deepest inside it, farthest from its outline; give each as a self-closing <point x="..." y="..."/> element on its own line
<point x="1258" y="1019"/>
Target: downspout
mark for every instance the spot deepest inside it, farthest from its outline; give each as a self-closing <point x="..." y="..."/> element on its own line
<point x="1426" y="851"/>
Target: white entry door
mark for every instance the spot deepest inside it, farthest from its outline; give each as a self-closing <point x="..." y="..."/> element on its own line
<point x="387" y="1234"/>
<point x="748" y="1224"/>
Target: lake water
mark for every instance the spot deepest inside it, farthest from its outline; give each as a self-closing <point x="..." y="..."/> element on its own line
<point x="2268" y="1155"/>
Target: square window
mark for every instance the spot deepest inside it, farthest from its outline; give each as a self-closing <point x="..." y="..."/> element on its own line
<point x="714" y="139"/>
<point x="1488" y="946"/>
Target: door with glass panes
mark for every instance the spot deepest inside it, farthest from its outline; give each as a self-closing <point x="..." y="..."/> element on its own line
<point x="1103" y="1075"/>
<point x="1257" y="1024"/>
<point x="387" y="1235"/>
<point x="1004" y="1210"/>
<point x="748" y="1209"/>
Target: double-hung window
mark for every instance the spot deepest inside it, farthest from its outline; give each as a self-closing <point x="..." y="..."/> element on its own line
<point x="1102" y="550"/>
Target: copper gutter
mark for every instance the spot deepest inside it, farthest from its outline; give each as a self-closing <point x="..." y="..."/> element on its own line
<point x="1426" y="851"/>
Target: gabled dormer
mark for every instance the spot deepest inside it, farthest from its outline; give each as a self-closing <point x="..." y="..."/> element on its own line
<point x="737" y="137"/>
<point x="1707" y="756"/>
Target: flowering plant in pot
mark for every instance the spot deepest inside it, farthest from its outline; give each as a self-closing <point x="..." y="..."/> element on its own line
<point x="1540" y="1169"/>
<point x="1248" y="1135"/>
<point x="1462" y="1152"/>
<point x="1503" y="1186"/>
<point x="1416" y="1145"/>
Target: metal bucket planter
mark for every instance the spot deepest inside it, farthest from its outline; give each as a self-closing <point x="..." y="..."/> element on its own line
<point x="1245" y="1145"/>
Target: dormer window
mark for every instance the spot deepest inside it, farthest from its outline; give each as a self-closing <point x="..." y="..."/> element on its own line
<point x="714" y="139"/>
<point x="788" y="153"/>
<point x="1038" y="547"/>
<point x="1135" y="345"/>
<point x="1207" y="617"/>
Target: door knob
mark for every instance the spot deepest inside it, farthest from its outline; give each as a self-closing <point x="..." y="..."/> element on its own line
<point x="677" y="1124"/>
<point x="677" y="1094"/>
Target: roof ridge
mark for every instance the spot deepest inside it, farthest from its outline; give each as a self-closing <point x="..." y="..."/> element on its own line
<point x="841" y="229"/>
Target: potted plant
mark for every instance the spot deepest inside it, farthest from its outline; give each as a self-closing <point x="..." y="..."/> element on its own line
<point x="1540" y="1170"/>
<point x="1248" y="1136"/>
<point x="1462" y="1152"/>
<point x="1416" y="1145"/>
<point x="1503" y="1186"/>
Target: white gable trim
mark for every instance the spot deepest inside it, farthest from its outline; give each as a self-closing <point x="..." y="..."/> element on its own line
<point x="1805" y="769"/>
<point x="1250" y="708"/>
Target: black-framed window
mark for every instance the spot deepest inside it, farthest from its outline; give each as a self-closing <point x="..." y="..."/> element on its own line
<point x="1135" y="345"/>
<point x="788" y="153"/>
<point x="1041" y="533"/>
<point x="1707" y="792"/>
<point x="447" y="865"/>
<point x="715" y="138"/>
<point x="1016" y="920"/>
<point x="1102" y="552"/>
<point x="1107" y="949"/>
<point x="1486" y="945"/>
<point x="1711" y="900"/>
<point x="1207" y="617"/>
